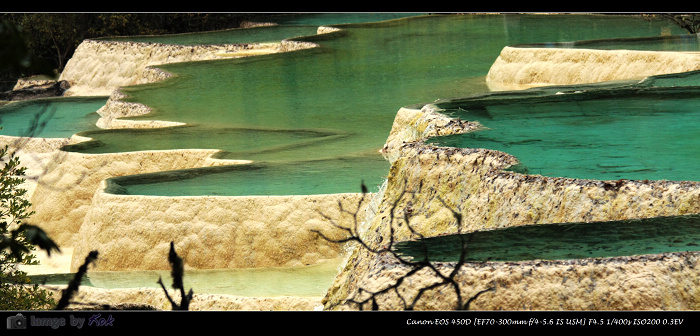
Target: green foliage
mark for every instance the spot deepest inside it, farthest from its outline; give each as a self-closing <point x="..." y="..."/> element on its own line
<point x="15" y="58"/>
<point x="14" y="54"/>
<point x="14" y="209"/>
<point x="688" y="21"/>
<point x="14" y="297"/>
<point x="17" y="241"/>
<point x="54" y="36"/>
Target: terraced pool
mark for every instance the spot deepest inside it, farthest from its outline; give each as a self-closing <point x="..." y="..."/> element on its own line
<point x="564" y="241"/>
<point x="643" y="131"/>
<point x="313" y="120"/>
<point x="338" y="100"/>
<point x="50" y="117"/>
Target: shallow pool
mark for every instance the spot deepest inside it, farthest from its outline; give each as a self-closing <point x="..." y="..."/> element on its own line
<point x="303" y="281"/>
<point x="642" y="131"/>
<point x="350" y="87"/>
<point x="259" y="179"/>
<point x="565" y="241"/>
<point x="50" y="117"/>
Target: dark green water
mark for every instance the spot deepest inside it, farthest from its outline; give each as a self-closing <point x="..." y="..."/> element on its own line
<point x="638" y="132"/>
<point x="335" y="101"/>
<point x="313" y="121"/>
<point x="249" y="35"/>
<point x="349" y="89"/>
<point x="288" y="26"/>
<point x="564" y="241"/>
<point x="685" y="43"/>
<point x="50" y="117"/>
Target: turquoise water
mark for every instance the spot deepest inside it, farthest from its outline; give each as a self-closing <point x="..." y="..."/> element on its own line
<point x="308" y="177"/>
<point x="50" y="117"/>
<point x="685" y="43"/>
<point x="345" y="93"/>
<point x="240" y="142"/>
<point x="313" y="121"/>
<point x="288" y="26"/>
<point x="564" y="241"/>
<point x="248" y="35"/>
<point x="637" y="132"/>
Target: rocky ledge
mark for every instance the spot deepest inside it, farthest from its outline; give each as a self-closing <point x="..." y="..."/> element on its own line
<point x="41" y="90"/>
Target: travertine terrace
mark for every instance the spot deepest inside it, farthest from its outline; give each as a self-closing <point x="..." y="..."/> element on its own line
<point x="71" y="189"/>
<point x="518" y="68"/>
<point x="71" y="203"/>
<point x="68" y="188"/>
<point x="473" y="182"/>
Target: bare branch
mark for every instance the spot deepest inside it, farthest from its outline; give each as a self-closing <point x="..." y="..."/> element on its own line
<point x="177" y="272"/>
<point x="75" y="282"/>
<point x="413" y="266"/>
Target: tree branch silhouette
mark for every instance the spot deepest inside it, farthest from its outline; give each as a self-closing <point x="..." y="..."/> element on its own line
<point x="67" y="294"/>
<point x="178" y="272"/>
<point x="414" y="266"/>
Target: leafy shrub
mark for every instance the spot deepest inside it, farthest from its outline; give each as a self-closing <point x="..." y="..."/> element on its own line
<point x="18" y="241"/>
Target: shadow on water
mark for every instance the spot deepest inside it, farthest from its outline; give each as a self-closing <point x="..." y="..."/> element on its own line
<point x="57" y="117"/>
<point x="354" y="85"/>
<point x="256" y="179"/>
<point x="565" y="241"/>
<point x="355" y="82"/>
<point x="351" y="87"/>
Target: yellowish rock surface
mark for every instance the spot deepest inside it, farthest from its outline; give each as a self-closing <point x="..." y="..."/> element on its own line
<point x="426" y="183"/>
<point x="519" y="68"/>
<point x="132" y="232"/>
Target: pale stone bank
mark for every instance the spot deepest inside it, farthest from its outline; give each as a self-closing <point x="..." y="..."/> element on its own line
<point x="130" y="232"/>
<point x="517" y="68"/>
<point x="133" y="232"/>
<point x="473" y="183"/>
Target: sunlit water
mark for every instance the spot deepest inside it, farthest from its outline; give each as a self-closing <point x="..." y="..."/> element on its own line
<point x="345" y="94"/>
<point x="50" y="117"/>
<point x="564" y="241"/>
<point x="639" y="132"/>
<point x="313" y="120"/>
<point x="684" y="43"/>
<point x="304" y="281"/>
